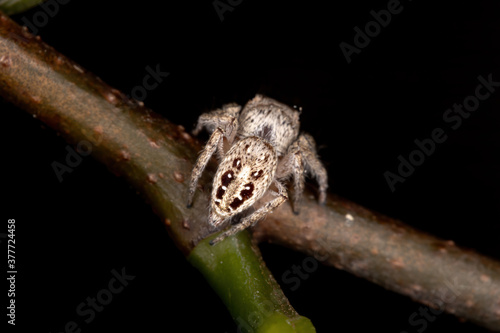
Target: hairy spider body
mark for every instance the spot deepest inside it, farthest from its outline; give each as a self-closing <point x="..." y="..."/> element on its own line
<point x="276" y="123"/>
<point x="258" y="147"/>
<point x="243" y="176"/>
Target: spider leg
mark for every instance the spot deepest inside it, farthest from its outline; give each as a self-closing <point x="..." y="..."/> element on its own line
<point x="225" y="118"/>
<point x="313" y="164"/>
<point x="301" y="157"/>
<point x="292" y="165"/>
<point x="215" y="139"/>
<point x="223" y="123"/>
<point x="255" y="216"/>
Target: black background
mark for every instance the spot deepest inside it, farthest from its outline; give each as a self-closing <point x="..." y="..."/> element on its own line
<point x="365" y="114"/>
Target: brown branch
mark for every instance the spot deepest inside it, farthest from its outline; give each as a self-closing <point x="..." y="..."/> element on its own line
<point x="156" y="157"/>
<point x="389" y="253"/>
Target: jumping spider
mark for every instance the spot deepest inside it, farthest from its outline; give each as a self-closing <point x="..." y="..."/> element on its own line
<point x="258" y="148"/>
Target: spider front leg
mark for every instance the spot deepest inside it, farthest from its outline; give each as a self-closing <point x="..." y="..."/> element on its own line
<point x="301" y="157"/>
<point x="223" y="118"/>
<point x="255" y="216"/>
<point x="292" y="165"/>
<point x="215" y="141"/>
<point x="224" y="124"/>
<point x="313" y="164"/>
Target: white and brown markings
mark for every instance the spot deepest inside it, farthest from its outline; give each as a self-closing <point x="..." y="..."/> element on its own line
<point x="258" y="147"/>
<point x="243" y="176"/>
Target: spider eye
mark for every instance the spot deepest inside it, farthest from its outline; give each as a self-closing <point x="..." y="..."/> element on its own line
<point x="257" y="174"/>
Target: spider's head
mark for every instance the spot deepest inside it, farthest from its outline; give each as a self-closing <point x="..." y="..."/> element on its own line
<point x="244" y="175"/>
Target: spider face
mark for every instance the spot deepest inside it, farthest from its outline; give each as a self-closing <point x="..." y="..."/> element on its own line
<point x="258" y="146"/>
<point x="243" y="176"/>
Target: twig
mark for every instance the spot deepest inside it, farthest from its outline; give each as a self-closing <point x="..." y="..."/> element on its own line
<point x="387" y="252"/>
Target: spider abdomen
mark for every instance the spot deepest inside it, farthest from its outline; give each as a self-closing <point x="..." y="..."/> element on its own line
<point x="243" y="176"/>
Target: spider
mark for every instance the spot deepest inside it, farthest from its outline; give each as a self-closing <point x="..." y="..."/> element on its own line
<point x="258" y="148"/>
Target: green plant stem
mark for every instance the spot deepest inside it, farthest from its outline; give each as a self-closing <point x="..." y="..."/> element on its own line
<point x="256" y="303"/>
<point x="11" y="7"/>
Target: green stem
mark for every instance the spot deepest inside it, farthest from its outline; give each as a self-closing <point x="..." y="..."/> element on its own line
<point x="11" y="7"/>
<point x="235" y="270"/>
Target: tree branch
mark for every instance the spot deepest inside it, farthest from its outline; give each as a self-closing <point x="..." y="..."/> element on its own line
<point x="389" y="253"/>
<point x="156" y="157"/>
